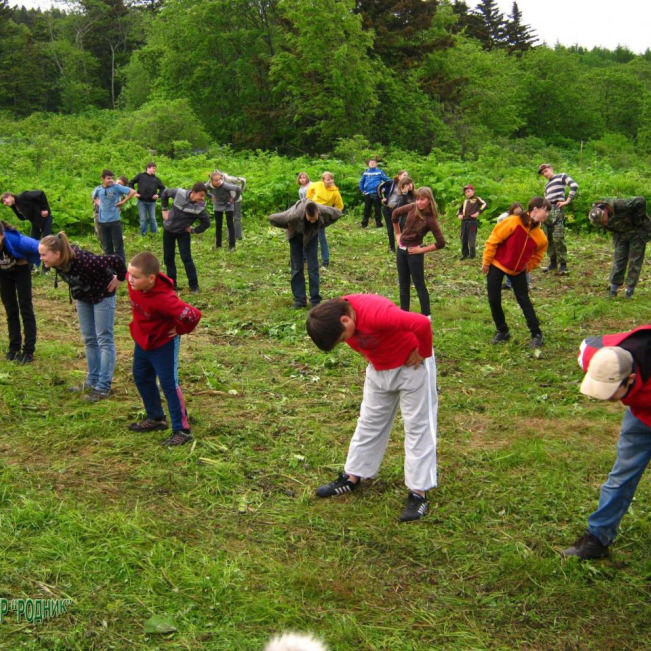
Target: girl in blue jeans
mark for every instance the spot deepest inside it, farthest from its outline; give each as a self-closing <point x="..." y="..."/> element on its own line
<point x="93" y="280"/>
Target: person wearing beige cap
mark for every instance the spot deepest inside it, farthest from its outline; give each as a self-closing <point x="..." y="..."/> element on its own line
<point x="618" y="368"/>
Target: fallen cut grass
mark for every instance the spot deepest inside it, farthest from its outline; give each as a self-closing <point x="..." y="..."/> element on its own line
<point x="225" y="536"/>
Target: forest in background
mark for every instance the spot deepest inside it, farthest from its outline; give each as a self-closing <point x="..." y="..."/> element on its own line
<point x="432" y="77"/>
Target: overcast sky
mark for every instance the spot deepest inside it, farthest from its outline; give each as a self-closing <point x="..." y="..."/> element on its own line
<point x="590" y="23"/>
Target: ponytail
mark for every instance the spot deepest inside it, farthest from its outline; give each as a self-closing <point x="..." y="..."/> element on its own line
<point x="60" y="244"/>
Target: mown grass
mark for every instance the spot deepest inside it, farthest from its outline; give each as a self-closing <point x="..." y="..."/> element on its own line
<point x="226" y="537"/>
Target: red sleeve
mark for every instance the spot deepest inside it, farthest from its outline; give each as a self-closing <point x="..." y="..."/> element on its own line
<point x="185" y="317"/>
<point x="395" y="320"/>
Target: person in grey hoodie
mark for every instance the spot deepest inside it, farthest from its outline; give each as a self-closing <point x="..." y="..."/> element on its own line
<point x="188" y="206"/>
<point x="302" y="222"/>
<point x="223" y="197"/>
<point x="240" y="181"/>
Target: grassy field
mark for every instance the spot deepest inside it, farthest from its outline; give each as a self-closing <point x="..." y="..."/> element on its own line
<point x="225" y="541"/>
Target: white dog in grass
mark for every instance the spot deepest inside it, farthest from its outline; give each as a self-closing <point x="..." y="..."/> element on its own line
<point x="295" y="642"/>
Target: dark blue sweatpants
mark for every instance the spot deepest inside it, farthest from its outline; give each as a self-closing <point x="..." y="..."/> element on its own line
<point x="161" y="363"/>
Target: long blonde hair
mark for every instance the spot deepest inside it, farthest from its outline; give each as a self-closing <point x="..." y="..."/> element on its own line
<point x="429" y="195"/>
<point x="60" y="243"/>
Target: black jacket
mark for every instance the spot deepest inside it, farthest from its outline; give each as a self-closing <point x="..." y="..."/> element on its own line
<point x="28" y="206"/>
<point x="148" y="186"/>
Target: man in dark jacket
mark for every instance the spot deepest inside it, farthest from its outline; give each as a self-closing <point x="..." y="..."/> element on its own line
<point x="618" y="368"/>
<point x="33" y="207"/>
<point x="148" y="191"/>
<point x="630" y="225"/>
<point x="302" y="222"/>
<point x="188" y="206"/>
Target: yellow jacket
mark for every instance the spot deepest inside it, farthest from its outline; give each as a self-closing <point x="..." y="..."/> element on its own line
<point x="318" y="193"/>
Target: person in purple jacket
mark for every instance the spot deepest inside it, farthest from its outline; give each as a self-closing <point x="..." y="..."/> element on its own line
<point x="17" y="253"/>
<point x="93" y="280"/>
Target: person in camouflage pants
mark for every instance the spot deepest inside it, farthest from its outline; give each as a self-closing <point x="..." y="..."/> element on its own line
<point x="630" y="225"/>
<point x="555" y="193"/>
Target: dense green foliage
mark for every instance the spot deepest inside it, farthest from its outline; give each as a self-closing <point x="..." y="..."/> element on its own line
<point x="296" y="76"/>
<point x="64" y="155"/>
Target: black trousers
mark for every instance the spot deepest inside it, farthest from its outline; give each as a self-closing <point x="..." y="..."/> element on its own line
<point x="219" y="227"/>
<point x="42" y="228"/>
<point x="386" y="211"/>
<point x="521" y="292"/>
<point x="468" y="238"/>
<point x="185" y="251"/>
<point x="112" y="240"/>
<point x="372" y="201"/>
<point x="412" y="268"/>
<point x="16" y="293"/>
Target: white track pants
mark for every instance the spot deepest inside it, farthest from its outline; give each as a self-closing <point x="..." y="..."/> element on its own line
<point x="415" y="391"/>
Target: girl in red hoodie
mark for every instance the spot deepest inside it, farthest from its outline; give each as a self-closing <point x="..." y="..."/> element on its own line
<point x="159" y="317"/>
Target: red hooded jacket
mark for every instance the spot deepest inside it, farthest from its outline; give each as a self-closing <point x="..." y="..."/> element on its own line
<point x="638" y="343"/>
<point x="157" y="311"/>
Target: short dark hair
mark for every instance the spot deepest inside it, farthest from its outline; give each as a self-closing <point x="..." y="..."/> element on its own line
<point x="150" y="164"/>
<point x="199" y="187"/>
<point x="146" y="262"/>
<point x="106" y="173"/>
<point x="324" y="322"/>
<point x="311" y="209"/>
<point x="539" y="202"/>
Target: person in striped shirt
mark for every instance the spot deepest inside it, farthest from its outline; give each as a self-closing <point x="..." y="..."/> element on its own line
<point x="555" y="226"/>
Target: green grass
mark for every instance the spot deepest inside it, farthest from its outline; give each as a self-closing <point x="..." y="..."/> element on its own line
<point x="226" y="537"/>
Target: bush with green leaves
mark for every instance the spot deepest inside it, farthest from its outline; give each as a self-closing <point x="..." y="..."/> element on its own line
<point x="65" y="155"/>
<point x="167" y="127"/>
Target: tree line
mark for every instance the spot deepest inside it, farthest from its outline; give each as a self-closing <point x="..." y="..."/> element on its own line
<point x="297" y="75"/>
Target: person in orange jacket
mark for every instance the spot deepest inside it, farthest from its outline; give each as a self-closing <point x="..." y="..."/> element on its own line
<point x="515" y="246"/>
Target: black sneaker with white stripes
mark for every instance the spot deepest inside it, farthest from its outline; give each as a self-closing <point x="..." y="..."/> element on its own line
<point x="416" y="508"/>
<point x="339" y="486"/>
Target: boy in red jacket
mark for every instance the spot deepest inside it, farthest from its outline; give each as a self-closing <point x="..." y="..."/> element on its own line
<point x="618" y="369"/>
<point x="401" y="371"/>
<point x="159" y="317"/>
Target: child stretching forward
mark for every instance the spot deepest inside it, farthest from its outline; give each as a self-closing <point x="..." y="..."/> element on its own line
<point x="159" y="317"/>
<point x="401" y="370"/>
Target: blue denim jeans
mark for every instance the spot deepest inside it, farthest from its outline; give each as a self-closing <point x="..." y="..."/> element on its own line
<point x="297" y="253"/>
<point x="633" y="456"/>
<point x="161" y="363"/>
<point x="96" y="324"/>
<point x="147" y="215"/>
<point x="325" y="251"/>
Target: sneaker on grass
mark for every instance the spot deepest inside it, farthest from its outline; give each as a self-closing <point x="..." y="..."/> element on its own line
<point x="586" y="547"/>
<point x="149" y="425"/>
<point x="415" y="508"/>
<point x="536" y="341"/>
<point x="500" y="337"/>
<point x="339" y="486"/>
<point x="96" y="396"/>
<point x="179" y="437"/>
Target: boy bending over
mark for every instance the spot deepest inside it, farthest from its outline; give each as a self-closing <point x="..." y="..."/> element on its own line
<point x="159" y="317"/>
<point x="401" y="370"/>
